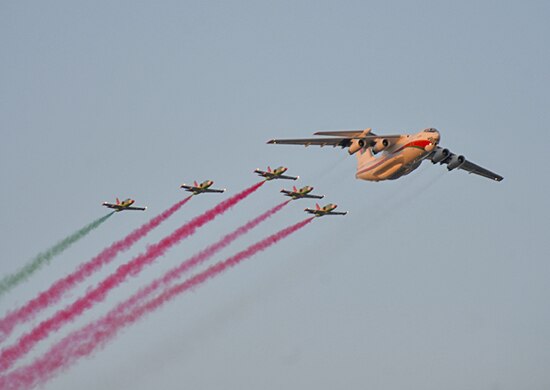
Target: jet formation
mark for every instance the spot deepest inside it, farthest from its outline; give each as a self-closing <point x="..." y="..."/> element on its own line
<point x="269" y="174"/>
<point x="379" y="158"/>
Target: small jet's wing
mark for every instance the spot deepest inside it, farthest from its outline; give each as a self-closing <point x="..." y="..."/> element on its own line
<point x="134" y="208"/>
<point x="313" y="196"/>
<point x="466" y="165"/>
<point x="286" y="177"/>
<point x="212" y="190"/>
<point x="336" y="213"/>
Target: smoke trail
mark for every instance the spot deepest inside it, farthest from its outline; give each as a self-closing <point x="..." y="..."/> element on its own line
<point x="197" y="259"/>
<point x="10" y="281"/>
<point x="56" y="290"/>
<point x="9" y="355"/>
<point x="83" y="342"/>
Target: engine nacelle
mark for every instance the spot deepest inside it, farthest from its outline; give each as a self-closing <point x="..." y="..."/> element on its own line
<point x="380" y="145"/>
<point x="356" y="145"/>
<point x="455" y="162"/>
<point x="440" y="155"/>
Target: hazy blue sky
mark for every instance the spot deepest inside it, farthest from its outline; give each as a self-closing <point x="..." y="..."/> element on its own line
<point x="437" y="280"/>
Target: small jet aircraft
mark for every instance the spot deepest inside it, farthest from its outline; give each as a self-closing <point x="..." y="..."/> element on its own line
<point x="389" y="157"/>
<point x="124" y="205"/>
<point x="303" y="192"/>
<point x="275" y="174"/>
<point x="201" y="188"/>
<point x="319" y="211"/>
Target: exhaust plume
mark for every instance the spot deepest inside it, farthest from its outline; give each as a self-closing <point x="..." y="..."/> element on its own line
<point x="9" y="355"/>
<point x="57" y="289"/>
<point x="10" y="281"/>
<point x="83" y="342"/>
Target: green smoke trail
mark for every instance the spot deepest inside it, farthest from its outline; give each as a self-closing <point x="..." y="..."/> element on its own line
<point x="10" y="281"/>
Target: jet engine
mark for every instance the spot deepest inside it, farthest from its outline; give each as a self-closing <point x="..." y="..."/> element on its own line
<point x="380" y="145"/>
<point x="440" y="155"/>
<point x="455" y="162"/>
<point x="356" y="145"/>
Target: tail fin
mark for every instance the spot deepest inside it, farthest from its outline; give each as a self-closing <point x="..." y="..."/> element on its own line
<point x="117" y="201"/>
<point x="269" y="169"/>
<point x="195" y="183"/>
<point x="317" y="206"/>
<point x="294" y="189"/>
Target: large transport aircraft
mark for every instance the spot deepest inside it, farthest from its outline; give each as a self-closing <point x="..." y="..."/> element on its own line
<point x="319" y="211"/>
<point x="301" y="193"/>
<point x="201" y="188"/>
<point x="124" y="205"/>
<point x="388" y="157"/>
<point x="276" y="173"/>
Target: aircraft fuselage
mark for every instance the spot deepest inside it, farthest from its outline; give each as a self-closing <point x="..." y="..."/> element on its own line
<point x="398" y="159"/>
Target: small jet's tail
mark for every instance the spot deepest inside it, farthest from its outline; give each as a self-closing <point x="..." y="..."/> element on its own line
<point x="195" y="183"/>
<point x="294" y="189"/>
<point x="269" y="169"/>
<point x="117" y="201"/>
<point x="317" y="207"/>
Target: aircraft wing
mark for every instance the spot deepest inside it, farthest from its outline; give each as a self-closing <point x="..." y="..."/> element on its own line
<point x="134" y="208"/>
<point x="112" y="206"/>
<point x="286" y="177"/>
<point x="336" y="213"/>
<point x="212" y="190"/>
<point x="313" y="196"/>
<point x="473" y="168"/>
<point x="466" y="165"/>
<point x="342" y="141"/>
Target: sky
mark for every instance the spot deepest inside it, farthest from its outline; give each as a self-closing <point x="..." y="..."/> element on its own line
<point x="436" y="280"/>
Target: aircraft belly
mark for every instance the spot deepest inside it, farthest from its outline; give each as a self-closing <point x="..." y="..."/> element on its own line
<point x="392" y="168"/>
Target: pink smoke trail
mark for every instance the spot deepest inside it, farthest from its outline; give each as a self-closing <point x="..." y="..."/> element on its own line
<point x="83" y="342"/>
<point x="60" y="287"/>
<point x="197" y="259"/>
<point x="9" y="355"/>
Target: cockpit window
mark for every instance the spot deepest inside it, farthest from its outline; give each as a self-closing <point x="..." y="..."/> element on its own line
<point x="430" y="130"/>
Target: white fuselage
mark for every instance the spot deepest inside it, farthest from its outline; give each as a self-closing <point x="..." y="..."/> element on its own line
<point x="398" y="159"/>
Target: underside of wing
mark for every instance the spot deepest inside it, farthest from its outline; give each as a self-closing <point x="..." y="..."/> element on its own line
<point x="473" y="168"/>
<point x="135" y="208"/>
<point x="212" y="190"/>
<point x="313" y="196"/>
<point x="453" y="161"/>
<point x="343" y="142"/>
<point x="287" y="177"/>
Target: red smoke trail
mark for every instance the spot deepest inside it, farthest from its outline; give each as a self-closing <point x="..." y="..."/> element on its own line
<point x="197" y="259"/>
<point x="83" y="342"/>
<point x="56" y="290"/>
<point x="9" y="355"/>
